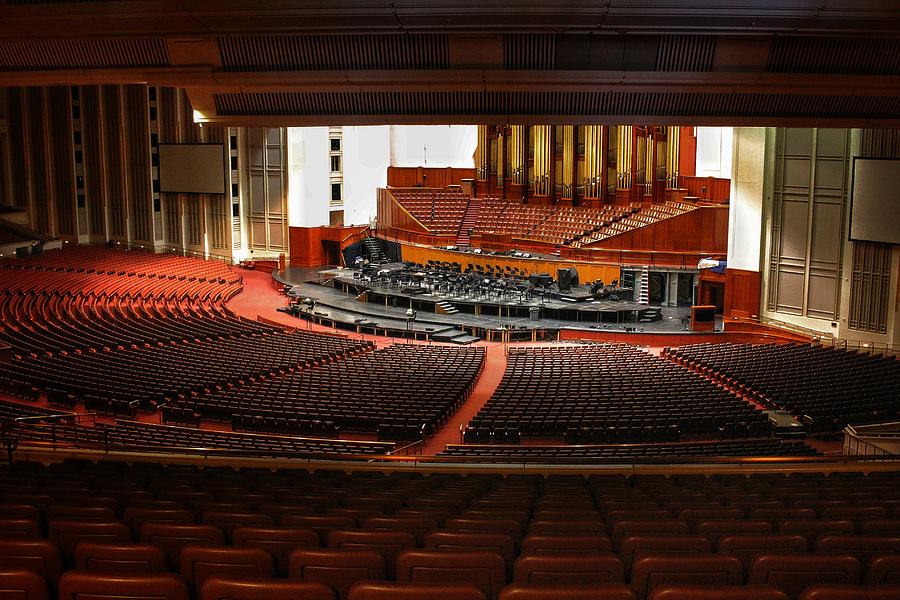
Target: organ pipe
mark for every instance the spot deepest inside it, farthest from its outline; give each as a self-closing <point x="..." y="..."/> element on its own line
<point x="593" y="160"/>
<point x="623" y="156"/>
<point x="673" y="148"/>
<point x="481" y="154"/>
<point x="517" y="162"/>
<point x="542" y="159"/>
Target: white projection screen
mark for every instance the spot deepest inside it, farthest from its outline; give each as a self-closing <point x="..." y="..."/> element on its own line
<point x="875" y="201"/>
<point x="192" y="168"/>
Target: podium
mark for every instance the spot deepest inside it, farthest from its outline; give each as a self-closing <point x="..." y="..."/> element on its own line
<point x="703" y="317"/>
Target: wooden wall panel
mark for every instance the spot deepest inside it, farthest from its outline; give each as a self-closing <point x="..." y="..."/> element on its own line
<point x="18" y="171"/>
<point x="742" y="293"/>
<point x="711" y="189"/>
<point x="704" y="230"/>
<point x="62" y="160"/>
<point x="94" y="165"/>
<point x="37" y="164"/>
<point x="306" y="247"/>
<point x="427" y="176"/>
<point x="687" y="156"/>
<point x="392" y="215"/>
<point x="137" y="164"/>
<point x="114" y="180"/>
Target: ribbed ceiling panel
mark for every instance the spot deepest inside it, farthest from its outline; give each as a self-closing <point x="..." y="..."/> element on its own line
<point x="529" y="51"/>
<point x="686" y="53"/>
<point x="806" y="54"/>
<point x="334" y="52"/>
<point x="583" y="104"/>
<point x="53" y="54"/>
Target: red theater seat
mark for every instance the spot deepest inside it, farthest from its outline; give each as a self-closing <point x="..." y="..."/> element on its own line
<point x="714" y="569"/>
<point x="119" y="558"/>
<point x="564" y="569"/>
<point x="38" y="556"/>
<point x="499" y="542"/>
<point x="608" y="591"/>
<point x="79" y="585"/>
<point x="384" y="590"/>
<point x="747" y="547"/>
<point x="794" y="573"/>
<point x="278" y="541"/>
<point x="200" y="562"/>
<point x="172" y="537"/>
<point x="635" y="547"/>
<point x="717" y="592"/>
<point x="716" y="529"/>
<point x="386" y="543"/>
<point x="23" y="585"/>
<point x="67" y="534"/>
<point x="851" y="592"/>
<point x="884" y="570"/>
<point x="546" y="544"/>
<point x="487" y="570"/>
<point x="217" y="587"/>
<point x="862" y="547"/>
<point x="338" y="568"/>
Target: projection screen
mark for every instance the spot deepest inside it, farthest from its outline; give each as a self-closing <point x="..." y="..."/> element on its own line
<point x="875" y="201"/>
<point x="192" y="168"/>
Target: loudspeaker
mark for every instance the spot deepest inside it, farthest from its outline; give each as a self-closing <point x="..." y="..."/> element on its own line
<point x="22" y="252"/>
<point x="567" y="278"/>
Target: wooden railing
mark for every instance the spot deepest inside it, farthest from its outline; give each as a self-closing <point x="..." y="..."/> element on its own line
<point x="711" y="189"/>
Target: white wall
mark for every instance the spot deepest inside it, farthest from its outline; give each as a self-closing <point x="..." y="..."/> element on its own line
<point x="714" y="151"/>
<point x="308" y="171"/>
<point x="366" y="158"/>
<point x="433" y="145"/>
<point x="745" y="216"/>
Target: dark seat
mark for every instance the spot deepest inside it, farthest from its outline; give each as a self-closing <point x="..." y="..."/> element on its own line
<point x="67" y="534"/>
<point x="884" y="570"/>
<point x="793" y="573"/>
<point x="851" y="592"/>
<point x="747" y="547"/>
<point x="622" y="529"/>
<point x="172" y="537"/>
<point x="200" y="562"/>
<point x="713" y="569"/>
<point x="716" y="529"/>
<point x="406" y="590"/>
<point x="487" y="570"/>
<point x="717" y="592"/>
<point x="81" y="585"/>
<point x="546" y="544"/>
<point x="216" y="587"/>
<point x="38" y="556"/>
<point x="119" y="558"/>
<point x="565" y="569"/>
<point x="607" y="591"/>
<point x="635" y="547"/>
<point x="338" y="568"/>
<point x="863" y="547"/>
<point x="499" y="542"/>
<point x="386" y="543"/>
<point x="23" y="585"/>
<point x="278" y="541"/>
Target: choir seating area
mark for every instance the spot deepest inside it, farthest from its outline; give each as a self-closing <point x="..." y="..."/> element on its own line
<point x="827" y="387"/>
<point x="441" y="210"/>
<point x="609" y="393"/>
<point x="399" y="392"/>
<point x="113" y="530"/>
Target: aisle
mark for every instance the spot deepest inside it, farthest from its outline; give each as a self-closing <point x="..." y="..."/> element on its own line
<point x="494" y="367"/>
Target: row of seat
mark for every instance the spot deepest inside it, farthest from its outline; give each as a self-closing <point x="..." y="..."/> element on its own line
<point x="613" y="391"/>
<point x="827" y="386"/>
<point x="134" y="262"/>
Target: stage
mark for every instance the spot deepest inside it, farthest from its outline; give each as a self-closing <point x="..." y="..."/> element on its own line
<point x="366" y="308"/>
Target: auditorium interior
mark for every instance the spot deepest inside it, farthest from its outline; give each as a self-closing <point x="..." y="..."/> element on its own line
<point x="406" y="299"/>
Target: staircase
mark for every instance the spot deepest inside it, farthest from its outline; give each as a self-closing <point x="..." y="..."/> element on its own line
<point x="470" y="220"/>
<point x="445" y="308"/>
<point x="644" y="294"/>
<point x="374" y="250"/>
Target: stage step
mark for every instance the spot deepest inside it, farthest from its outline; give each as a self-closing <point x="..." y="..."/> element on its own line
<point x="455" y="336"/>
<point x="445" y="308"/>
<point x="375" y="250"/>
<point x="644" y="296"/>
<point x="470" y="220"/>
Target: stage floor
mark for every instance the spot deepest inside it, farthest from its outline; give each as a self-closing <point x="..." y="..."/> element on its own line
<point x="335" y="305"/>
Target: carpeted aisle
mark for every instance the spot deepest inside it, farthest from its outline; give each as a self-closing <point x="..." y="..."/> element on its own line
<point x="494" y="367"/>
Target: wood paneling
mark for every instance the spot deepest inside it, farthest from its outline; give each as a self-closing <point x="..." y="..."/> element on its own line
<point x="392" y="215"/>
<point x="687" y="157"/>
<point x="742" y="291"/>
<point x="427" y="176"/>
<point x="308" y="250"/>
<point x="711" y="189"/>
<point x="704" y="231"/>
